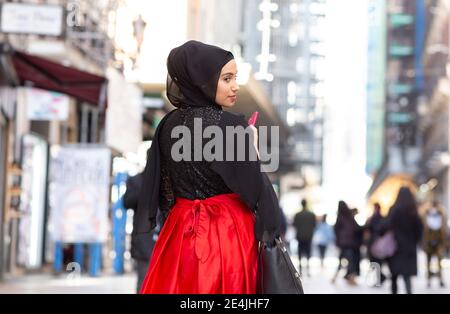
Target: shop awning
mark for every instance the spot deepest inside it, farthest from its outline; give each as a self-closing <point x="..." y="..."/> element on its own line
<point x="45" y="74"/>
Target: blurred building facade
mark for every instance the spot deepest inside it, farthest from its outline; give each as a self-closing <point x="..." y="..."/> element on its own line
<point x="402" y="32"/>
<point x="7" y="116"/>
<point x="283" y="40"/>
<point x="70" y="51"/>
<point x="434" y="109"/>
<point x="218" y="23"/>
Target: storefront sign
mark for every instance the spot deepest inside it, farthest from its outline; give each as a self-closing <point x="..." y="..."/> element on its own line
<point x="46" y="105"/>
<point x="80" y="185"/>
<point x="37" y="19"/>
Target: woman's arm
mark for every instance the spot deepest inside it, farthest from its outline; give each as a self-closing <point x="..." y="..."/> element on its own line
<point x="166" y="195"/>
<point x="246" y="179"/>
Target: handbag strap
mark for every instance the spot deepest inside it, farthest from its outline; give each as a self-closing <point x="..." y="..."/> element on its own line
<point x="278" y="241"/>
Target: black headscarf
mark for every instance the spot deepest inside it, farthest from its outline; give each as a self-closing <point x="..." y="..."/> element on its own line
<point x="193" y="73"/>
<point x="405" y="201"/>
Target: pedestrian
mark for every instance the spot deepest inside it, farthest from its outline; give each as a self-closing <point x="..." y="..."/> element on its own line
<point x="304" y="223"/>
<point x="404" y="221"/>
<point x="373" y="227"/>
<point x="141" y="244"/>
<point x="215" y="209"/>
<point x="358" y="240"/>
<point x="323" y="237"/>
<point x="435" y="239"/>
<point x="348" y="240"/>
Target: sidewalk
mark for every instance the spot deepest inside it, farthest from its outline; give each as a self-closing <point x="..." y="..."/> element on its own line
<point x="319" y="282"/>
<point x="48" y="284"/>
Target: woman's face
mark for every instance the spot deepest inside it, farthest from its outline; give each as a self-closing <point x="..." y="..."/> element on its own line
<point x="227" y="86"/>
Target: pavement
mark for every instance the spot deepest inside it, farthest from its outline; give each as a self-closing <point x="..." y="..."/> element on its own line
<point x="319" y="282"/>
<point x="320" y="279"/>
<point x="67" y="284"/>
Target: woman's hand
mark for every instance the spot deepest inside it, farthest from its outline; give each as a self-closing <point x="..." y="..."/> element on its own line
<point x="255" y="138"/>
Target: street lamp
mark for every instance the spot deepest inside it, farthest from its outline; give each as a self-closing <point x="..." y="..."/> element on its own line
<point x="139" y="26"/>
<point x="265" y="25"/>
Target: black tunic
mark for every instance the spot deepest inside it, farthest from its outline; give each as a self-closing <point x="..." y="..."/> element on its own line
<point x="407" y="230"/>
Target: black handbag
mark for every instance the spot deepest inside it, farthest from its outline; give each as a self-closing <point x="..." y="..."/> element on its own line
<point x="276" y="272"/>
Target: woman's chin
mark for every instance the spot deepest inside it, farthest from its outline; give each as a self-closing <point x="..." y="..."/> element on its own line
<point x="230" y="104"/>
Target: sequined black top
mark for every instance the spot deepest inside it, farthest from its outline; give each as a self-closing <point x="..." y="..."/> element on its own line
<point x="188" y="179"/>
<point x="166" y="178"/>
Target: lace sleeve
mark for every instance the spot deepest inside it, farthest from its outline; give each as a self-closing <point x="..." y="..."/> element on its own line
<point x="166" y="196"/>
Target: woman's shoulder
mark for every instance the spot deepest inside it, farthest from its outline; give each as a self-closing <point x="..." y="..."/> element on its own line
<point x="168" y="115"/>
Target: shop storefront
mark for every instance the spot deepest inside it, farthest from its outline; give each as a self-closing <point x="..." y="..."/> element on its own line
<point x="2" y="181"/>
<point x="48" y="98"/>
<point x="7" y="114"/>
<point x="7" y="102"/>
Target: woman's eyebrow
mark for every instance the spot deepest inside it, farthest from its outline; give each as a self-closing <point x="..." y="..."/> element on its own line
<point x="229" y="73"/>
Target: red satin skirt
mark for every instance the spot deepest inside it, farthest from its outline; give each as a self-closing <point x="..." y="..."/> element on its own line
<point x="206" y="246"/>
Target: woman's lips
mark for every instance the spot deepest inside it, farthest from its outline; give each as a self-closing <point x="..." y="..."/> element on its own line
<point x="233" y="98"/>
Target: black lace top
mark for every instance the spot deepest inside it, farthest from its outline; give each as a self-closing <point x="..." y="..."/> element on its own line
<point x="165" y="179"/>
<point x="188" y="179"/>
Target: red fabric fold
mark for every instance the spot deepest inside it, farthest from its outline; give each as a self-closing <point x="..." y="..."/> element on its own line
<point x="206" y="246"/>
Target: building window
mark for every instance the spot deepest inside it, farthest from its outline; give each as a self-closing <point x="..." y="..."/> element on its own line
<point x="291" y="92"/>
<point x="300" y="65"/>
<point x="293" y="37"/>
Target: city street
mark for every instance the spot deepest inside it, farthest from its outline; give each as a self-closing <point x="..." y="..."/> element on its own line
<point x="339" y="144"/>
<point x="318" y="283"/>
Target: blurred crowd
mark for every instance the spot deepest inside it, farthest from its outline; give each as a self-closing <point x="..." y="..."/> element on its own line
<point x="390" y="242"/>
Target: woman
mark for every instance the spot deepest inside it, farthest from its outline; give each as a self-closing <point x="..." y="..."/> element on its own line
<point x="208" y="242"/>
<point x="348" y="240"/>
<point x="404" y="221"/>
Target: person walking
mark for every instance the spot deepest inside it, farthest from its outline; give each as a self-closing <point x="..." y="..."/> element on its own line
<point x="323" y="237"/>
<point x="404" y="221"/>
<point x="373" y="227"/>
<point x="304" y="223"/>
<point x="435" y="239"/>
<point x="141" y="244"/>
<point x="348" y="240"/>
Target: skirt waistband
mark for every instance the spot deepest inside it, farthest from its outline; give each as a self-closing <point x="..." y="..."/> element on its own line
<point x="216" y="199"/>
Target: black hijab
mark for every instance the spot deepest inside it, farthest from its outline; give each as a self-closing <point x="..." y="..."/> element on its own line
<point x="405" y="202"/>
<point x="193" y="73"/>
